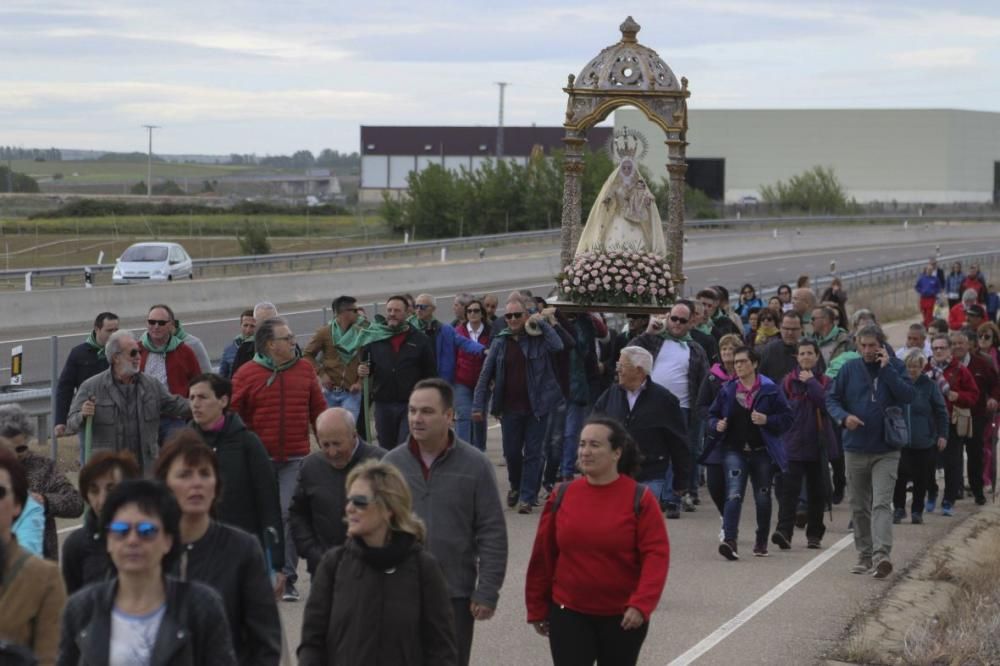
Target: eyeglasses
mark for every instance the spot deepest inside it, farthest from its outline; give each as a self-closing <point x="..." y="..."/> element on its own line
<point x="422" y="306"/>
<point x="679" y="320"/>
<point x="985" y="336"/>
<point x="157" y="322"/>
<point x="473" y="310"/>
<point x="360" y="501"/>
<point x="133" y="352"/>
<point x="3" y="492"/>
<point x="145" y="530"/>
<point x="513" y="315"/>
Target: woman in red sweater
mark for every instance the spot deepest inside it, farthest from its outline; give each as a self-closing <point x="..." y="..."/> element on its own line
<point x="600" y="557"/>
<point x="467" y="369"/>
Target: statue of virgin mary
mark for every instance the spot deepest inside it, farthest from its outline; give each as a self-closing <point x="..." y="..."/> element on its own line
<point x="624" y="214"/>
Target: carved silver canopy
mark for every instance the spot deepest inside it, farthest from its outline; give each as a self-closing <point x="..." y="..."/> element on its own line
<point x="628" y="65"/>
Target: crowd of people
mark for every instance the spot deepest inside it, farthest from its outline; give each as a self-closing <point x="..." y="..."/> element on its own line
<point x="363" y="453"/>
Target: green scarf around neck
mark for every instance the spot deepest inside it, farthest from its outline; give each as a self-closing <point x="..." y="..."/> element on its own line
<point x="92" y="343"/>
<point x="829" y="336"/>
<point x="682" y="340"/>
<point x="349" y="342"/>
<point x="173" y="343"/>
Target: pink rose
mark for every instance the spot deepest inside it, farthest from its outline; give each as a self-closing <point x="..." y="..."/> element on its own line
<point x="581" y="289"/>
<point x="618" y="286"/>
<point x="628" y="289"/>
<point x="635" y="274"/>
<point x="613" y="270"/>
<point x="592" y="287"/>
<point x="576" y="281"/>
<point x="663" y="292"/>
<point x="641" y="289"/>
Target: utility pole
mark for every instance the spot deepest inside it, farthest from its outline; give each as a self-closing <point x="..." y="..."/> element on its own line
<point x="503" y="85"/>
<point x="149" y="163"/>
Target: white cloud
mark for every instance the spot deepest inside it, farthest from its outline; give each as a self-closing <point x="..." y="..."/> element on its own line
<point x="953" y="56"/>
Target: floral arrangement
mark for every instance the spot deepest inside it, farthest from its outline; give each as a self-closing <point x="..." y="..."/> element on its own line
<point x="617" y="276"/>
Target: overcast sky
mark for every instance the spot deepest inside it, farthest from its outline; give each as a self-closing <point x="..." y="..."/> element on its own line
<point x="273" y="77"/>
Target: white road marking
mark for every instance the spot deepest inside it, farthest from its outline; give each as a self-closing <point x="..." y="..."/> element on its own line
<point x="763" y="602"/>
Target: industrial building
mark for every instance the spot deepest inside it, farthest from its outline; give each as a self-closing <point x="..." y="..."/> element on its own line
<point x="885" y="155"/>
<point x="389" y="154"/>
<point x="880" y="155"/>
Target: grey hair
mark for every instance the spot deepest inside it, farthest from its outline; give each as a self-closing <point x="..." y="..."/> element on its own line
<point x="916" y="355"/>
<point x="340" y="413"/>
<point x="265" y="334"/>
<point x="871" y="331"/>
<point x="970" y="295"/>
<point x="114" y="344"/>
<point x="639" y="357"/>
<point x="265" y="305"/>
<point x="15" y="421"/>
<point x="863" y="313"/>
<point x="919" y="328"/>
<point x="465" y="298"/>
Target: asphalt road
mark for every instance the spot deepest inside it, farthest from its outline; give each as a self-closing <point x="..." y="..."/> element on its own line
<point x="712" y="258"/>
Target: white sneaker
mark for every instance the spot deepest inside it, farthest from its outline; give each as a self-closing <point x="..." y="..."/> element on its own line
<point x="722" y="532"/>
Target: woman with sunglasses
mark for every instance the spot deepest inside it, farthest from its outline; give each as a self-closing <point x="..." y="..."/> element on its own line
<point x="467" y="369"/>
<point x="31" y="594"/>
<point x="84" y="557"/>
<point x="225" y="558"/>
<point x="143" y="616"/>
<point x="988" y="342"/>
<point x="380" y="598"/>
<point x="767" y="328"/>
<point x="746" y="420"/>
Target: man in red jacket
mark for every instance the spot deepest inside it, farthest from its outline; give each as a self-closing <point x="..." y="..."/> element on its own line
<point x="165" y="357"/>
<point x="278" y="396"/>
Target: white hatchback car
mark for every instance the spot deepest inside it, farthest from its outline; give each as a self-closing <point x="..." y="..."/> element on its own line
<point x="144" y="262"/>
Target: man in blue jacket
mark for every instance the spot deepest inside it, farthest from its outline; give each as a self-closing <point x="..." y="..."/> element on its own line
<point x="525" y="392"/>
<point x="862" y="391"/>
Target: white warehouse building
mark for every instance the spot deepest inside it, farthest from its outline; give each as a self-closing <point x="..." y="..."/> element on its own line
<point x="904" y="155"/>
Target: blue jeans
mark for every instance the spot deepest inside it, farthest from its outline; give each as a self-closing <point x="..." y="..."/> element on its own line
<point x="553" y="445"/>
<point x="738" y="466"/>
<point x="522" y="436"/>
<point x="340" y="398"/>
<point x="656" y="487"/>
<point x="669" y="496"/>
<point x="466" y="429"/>
<point x="575" y="416"/>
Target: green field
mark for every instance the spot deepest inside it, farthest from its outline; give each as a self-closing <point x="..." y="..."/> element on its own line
<point x="96" y="171"/>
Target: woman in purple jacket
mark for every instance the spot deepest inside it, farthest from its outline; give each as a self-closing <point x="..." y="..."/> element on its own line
<point x="809" y="444"/>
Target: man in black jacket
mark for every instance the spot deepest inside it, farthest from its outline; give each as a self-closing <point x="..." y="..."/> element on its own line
<point x="85" y="360"/>
<point x="396" y="364"/>
<point x="779" y="357"/>
<point x="316" y="514"/>
<point x="653" y="416"/>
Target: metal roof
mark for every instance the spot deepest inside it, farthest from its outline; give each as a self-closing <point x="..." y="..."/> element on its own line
<point x="479" y="140"/>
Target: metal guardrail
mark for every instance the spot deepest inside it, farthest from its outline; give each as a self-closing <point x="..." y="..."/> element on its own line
<point x="313" y="257"/>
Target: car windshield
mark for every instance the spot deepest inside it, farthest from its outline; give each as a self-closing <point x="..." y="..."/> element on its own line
<point x="145" y="253"/>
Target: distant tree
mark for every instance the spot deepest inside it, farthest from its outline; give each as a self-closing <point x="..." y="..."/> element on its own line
<point x="253" y="238"/>
<point x="12" y="181"/>
<point x="236" y="159"/>
<point x="128" y="157"/>
<point x="138" y="188"/>
<point x="303" y="159"/>
<point x="167" y="188"/>
<point x="815" y="191"/>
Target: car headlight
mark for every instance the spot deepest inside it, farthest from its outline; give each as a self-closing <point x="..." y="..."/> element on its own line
<point x="117" y="272"/>
<point x="158" y="271"/>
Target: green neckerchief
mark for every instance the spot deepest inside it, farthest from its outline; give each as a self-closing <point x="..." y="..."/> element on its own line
<point x="349" y="342"/>
<point x="92" y="343"/>
<point x="173" y="343"/>
<point x="705" y="328"/>
<point x="179" y="331"/>
<point x="414" y="321"/>
<point x="682" y="340"/>
<point x="240" y="339"/>
<point x="829" y="336"/>
<point x="266" y="361"/>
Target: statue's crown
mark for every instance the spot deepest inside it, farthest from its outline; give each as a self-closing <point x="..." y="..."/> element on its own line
<point x="626" y="144"/>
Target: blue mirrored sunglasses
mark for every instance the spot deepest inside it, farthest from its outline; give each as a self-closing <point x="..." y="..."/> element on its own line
<point x="143" y="529"/>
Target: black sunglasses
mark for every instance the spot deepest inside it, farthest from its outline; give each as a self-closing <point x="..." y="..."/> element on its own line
<point x="133" y="352"/>
<point x="145" y="530"/>
<point x="513" y="315"/>
<point x="473" y="310"/>
<point x="360" y="501"/>
<point x="678" y="320"/>
<point x="157" y="322"/>
<point x="3" y="492"/>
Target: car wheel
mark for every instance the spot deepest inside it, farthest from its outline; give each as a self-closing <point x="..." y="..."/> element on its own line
<point x="191" y="275"/>
<point x="170" y="278"/>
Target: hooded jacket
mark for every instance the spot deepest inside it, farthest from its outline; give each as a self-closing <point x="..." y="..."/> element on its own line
<point x="928" y="416"/>
<point x="852" y="394"/>
<point x="182" y="366"/>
